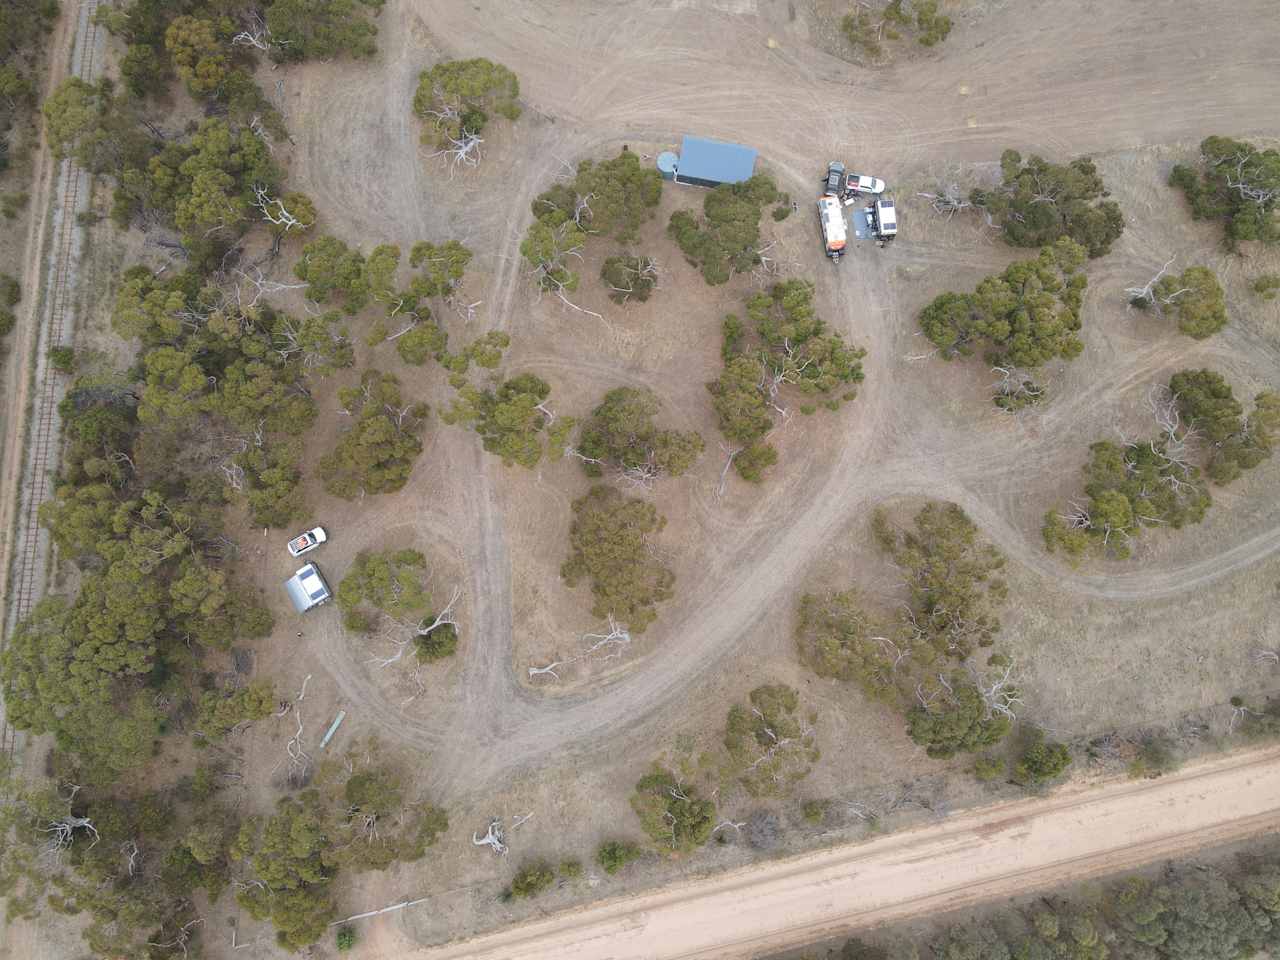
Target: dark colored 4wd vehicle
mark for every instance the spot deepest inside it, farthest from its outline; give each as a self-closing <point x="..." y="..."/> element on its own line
<point x="835" y="178"/>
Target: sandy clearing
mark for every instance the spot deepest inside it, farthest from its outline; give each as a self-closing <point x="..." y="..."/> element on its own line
<point x="621" y="71"/>
<point x="999" y="851"/>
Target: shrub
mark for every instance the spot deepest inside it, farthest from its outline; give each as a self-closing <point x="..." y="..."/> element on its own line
<point x="613" y="855"/>
<point x="1041" y="761"/>
<point x="570" y="869"/>
<point x="814" y="811"/>
<point x="11" y="291"/>
<point x="346" y="938"/>
<point x="1155" y="758"/>
<point x="988" y="767"/>
<point x="62" y="359"/>
<point x="439" y="643"/>
<point x="531" y="879"/>
<point x="1267" y="286"/>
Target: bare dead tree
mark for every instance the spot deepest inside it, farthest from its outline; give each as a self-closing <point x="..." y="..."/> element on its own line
<point x="1017" y="387"/>
<point x="181" y="940"/>
<point x="275" y="212"/>
<point x="130" y="850"/>
<point x="1000" y="694"/>
<point x="1247" y="189"/>
<point x="464" y="151"/>
<point x="60" y="832"/>
<point x="419" y="630"/>
<point x="636" y="270"/>
<point x="724" y="472"/>
<point x="611" y="644"/>
<point x="1174" y="448"/>
<point x="737" y="826"/>
<point x="444" y="617"/>
<point x="1146" y="293"/>
<point x="256" y="34"/>
<point x="260" y="286"/>
<point x="1265" y="658"/>
<point x="494" y="837"/>
<point x="1146" y="296"/>
<point x="1239" y="712"/>
<point x="299" y="759"/>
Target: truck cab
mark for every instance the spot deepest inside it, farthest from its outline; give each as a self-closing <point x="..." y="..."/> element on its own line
<point x="834" y="232"/>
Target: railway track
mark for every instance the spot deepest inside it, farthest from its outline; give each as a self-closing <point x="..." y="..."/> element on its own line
<point x="43" y="429"/>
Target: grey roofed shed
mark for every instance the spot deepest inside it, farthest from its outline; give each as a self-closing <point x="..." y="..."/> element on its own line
<point x="708" y="163"/>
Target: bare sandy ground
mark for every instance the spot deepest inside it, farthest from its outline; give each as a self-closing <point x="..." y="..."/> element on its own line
<point x="1000" y="851"/>
<point x="1062" y="80"/>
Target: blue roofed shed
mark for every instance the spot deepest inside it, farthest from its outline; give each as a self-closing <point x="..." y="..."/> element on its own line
<point x="709" y="163"/>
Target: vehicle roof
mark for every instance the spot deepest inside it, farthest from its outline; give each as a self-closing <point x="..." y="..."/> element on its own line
<point x="831" y="211"/>
<point x="306" y="588"/>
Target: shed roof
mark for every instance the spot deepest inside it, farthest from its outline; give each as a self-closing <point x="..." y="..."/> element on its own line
<point x="715" y="160"/>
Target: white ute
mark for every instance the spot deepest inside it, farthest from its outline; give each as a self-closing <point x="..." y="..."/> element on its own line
<point x="857" y="183"/>
<point x="305" y="542"/>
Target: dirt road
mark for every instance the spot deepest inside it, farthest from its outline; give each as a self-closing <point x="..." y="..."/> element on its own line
<point x="995" y="852"/>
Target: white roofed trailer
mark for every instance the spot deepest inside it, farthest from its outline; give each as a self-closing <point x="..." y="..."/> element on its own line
<point x="884" y="220"/>
<point x="834" y="232"/>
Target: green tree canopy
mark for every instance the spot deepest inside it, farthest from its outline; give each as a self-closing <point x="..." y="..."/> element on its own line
<point x="771" y="743"/>
<point x="1040" y="761"/>
<point x="376" y="455"/>
<point x="1038" y="202"/>
<point x="321" y="29"/>
<point x="609" y="545"/>
<point x="1029" y="314"/>
<point x="838" y="638"/>
<point x="621" y="434"/>
<point x="951" y="578"/>
<point x="726" y="239"/>
<point x="1212" y="413"/>
<point x="457" y="96"/>
<point x="392" y="581"/>
<point x="607" y="197"/>
<point x="868" y="30"/>
<point x="742" y="410"/>
<point x="1195" y="298"/>
<point x="613" y="855"/>
<point x="198" y="53"/>
<point x="286" y="856"/>
<point x="509" y="420"/>
<point x="797" y="347"/>
<point x="629" y="277"/>
<point x="1128" y="487"/>
<point x="1237" y="183"/>
<point x="955" y="720"/>
<point x="672" y="813"/>
<point x="328" y="267"/>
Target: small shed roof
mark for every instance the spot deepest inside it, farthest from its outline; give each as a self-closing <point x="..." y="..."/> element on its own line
<point x="715" y="160"/>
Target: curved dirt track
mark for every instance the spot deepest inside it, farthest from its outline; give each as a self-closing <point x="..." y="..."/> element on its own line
<point x="1000" y="851"/>
<point x="1061" y="79"/>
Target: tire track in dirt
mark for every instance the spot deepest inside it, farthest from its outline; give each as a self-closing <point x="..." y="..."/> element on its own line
<point x="596" y="77"/>
<point x="1029" y="844"/>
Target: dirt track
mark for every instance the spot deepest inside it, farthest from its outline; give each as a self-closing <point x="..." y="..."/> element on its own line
<point x="1044" y="77"/>
<point x="1001" y="851"/>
